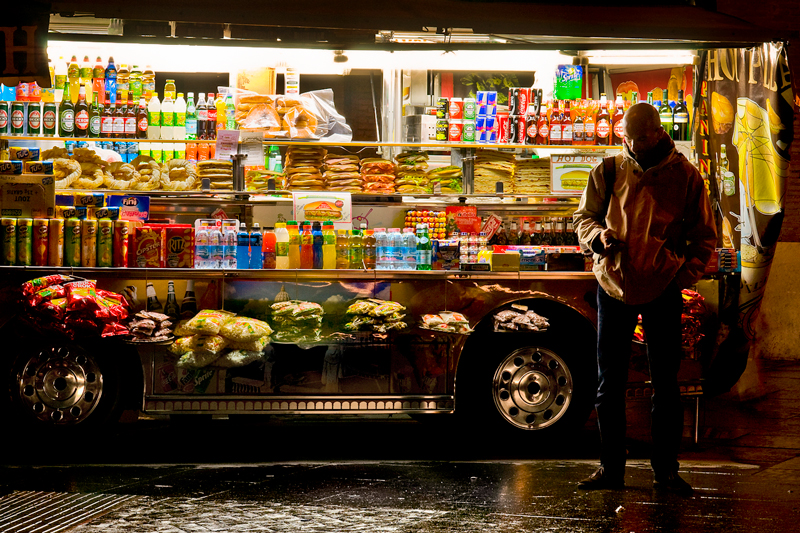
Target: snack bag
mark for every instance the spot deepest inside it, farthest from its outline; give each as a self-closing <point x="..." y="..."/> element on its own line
<point x="196" y="359"/>
<point x="180" y="329"/>
<point x="46" y="294"/>
<point x="243" y="329"/>
<point x="81" y="295"/>
<point x="213" y="344"/>
<point x="386" y="308"/>
<point x="256" y="345"/>
<point x="29" y="288"/>
<point x="361" y="307"/>
<point x="237" y="358"/>
<point x="208" y="322"/>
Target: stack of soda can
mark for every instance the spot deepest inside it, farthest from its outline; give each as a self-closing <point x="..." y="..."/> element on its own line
<point x="469" y="120"/>
<point x="523" y="107"/>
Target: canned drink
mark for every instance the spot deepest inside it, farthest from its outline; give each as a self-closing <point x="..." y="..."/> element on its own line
<point x="491" y="110"/>
<point x="72" y="242"/>
<point x="9" y="226"/>
<point x="480" y="123"/>
<point x="513" y="101"/>
<point x="89" y="243"/>
<point x="55" y="247"/>
<point x="41" y="241"/>
<point x="524" y="100"/>
<point x="456" y="109"/>
<point x="25" y="241"/>
<point x="5" y="111"/>
<point x="502" y="128"/>
<point x="481" y="97"/>
<point x="441" y="130"/>
<point x="491" y="98"/>
<point x="513" y="135"/>
<point x="470" y="109"/>
<point x="522" y="128"/>
<point x="49" y="119"/>
<point x="454" y="130"/>
<point x="491" y="123"/>
<point x="34" y="118"/>
<point x="17" y="118"/>
<point x="480" y="136"/>
<point x="105" y="243"/>
<point x="491" y="136"/>
<point x="481" y="110"/>
<point x="468" y="131"/>
<point x="442" y="105"/>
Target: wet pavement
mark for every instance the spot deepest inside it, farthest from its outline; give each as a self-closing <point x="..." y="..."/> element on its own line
<point x="337" y="475"/>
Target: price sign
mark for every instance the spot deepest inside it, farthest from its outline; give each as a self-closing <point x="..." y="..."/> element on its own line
<point x="227" y="143"/>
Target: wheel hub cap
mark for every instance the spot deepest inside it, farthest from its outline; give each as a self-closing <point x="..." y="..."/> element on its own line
<point x="532" y="388"/>
<point x="60" y="386"/>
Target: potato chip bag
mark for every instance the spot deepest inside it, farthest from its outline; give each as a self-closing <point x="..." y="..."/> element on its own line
<point x="208" y="322"/>
<point x="243" y="329"/>
<point x="213" y="344"/>
<point x="257" y="345"/>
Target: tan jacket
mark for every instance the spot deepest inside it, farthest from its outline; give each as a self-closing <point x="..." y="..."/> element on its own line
<point x="663" y="216"/>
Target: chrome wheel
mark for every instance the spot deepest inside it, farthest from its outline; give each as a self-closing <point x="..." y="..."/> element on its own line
<point x="532" y="388"/>
<point x="59" y="386"/>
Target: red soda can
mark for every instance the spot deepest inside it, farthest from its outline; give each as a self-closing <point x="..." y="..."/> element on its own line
<point x="524" y="100"/>
<point x="502" y="128"/>
<point x="41" y="240"/>
<point x="513" y="101"/>
<point x="522" y="128"/>
<point x="456" y="108"/>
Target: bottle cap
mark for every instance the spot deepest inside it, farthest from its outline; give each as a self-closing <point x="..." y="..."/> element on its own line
<point x="255" y="225"/>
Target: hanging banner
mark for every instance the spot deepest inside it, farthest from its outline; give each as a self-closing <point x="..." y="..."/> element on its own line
<point x="743" y="137"/>
<point x="23" y="44"/>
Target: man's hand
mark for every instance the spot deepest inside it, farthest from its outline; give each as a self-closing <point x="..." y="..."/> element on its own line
<point x="610" y="243"/>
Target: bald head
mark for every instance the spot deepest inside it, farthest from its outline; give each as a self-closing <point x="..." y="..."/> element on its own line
<point x="643" y="117"/>
<point x="642" y="129"/>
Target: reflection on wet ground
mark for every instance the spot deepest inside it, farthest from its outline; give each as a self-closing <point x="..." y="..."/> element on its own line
<point x="405" y="476"/>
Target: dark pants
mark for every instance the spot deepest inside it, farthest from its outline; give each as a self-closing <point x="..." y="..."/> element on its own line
<point x="661" y="319"/>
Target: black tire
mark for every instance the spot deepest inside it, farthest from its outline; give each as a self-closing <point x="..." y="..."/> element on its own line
<point x="536" y="383"/>
<point x="66" y="387"/>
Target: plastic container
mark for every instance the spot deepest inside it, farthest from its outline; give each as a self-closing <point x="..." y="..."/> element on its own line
<point x="268" y="249"/>
<point x="381" y="249"/>
<point x="167" y="118"/>
<point x="229" y="247"/>
<point x="409" y="249"/>
<point x="256" y="245"/>
<point x="242" y="247"/>
<point x="179" y="129"/>
<point x="396" y="249"/>
<point x="356" y="248"/>
<point x="306" y="247"/>
<point x="328" y="246"/>
<point x="154" y="117"/>
<point x="318" y="242"/>
<point x="294" y="243"/>
<point x="370" y="258"/>
<point x="214" y="247"/>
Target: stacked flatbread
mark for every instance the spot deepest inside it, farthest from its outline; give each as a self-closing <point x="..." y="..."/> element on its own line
<point x="303" y="168"/>
<point x="378" y="175"/>
<point x="532" y="176"/>
<point x="218" y="171"/>
<point x="148" y="326"/>
<point x="492" y="166"/>
<point x="412" y="173"/>
<point x="341" y="173"/>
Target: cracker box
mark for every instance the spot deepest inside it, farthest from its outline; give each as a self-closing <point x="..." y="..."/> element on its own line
<point x="179" y="246"/>
<point x="24" y="154"/>
<point x="38" y="167"/>
<point x="31" y="196"/>
<point x="147" y="244"/>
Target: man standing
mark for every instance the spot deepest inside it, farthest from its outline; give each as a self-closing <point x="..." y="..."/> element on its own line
<point x="651" y="238"/>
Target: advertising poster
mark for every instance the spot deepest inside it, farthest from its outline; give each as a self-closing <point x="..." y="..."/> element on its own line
<point x="321" y="206"/>
<point x="570" y="172"/>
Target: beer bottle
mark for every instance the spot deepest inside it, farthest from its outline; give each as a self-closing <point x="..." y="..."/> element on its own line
<point x="119" y="117"/>
<point x="536" y="234"/>
<point x="66" y="115"/>
<point x="107" y="120"/>
<point x="82" y="114"/>
<point x="171" y="308"/>
<point x="189" y="303"/>
<point x="589" y="130"/>
<point x="558" y="233"/>
<point x="555" y="124"/>
<point x="152" y="299"/>
<point x="543" y="128"/>
<point x="616" y="121"/>
<point x="547" y="234"/>
<point x="141" y="119"/>
<point x="566" y="125"/>
<point x="603" y="123"/>
<point x="130" y="118"/>
<point x="49" y="119"/>
<point x="95" y="117"/>
<point x="578" y="125"/>
<point x="665" y="113"/>
<point x="680" y="119"/>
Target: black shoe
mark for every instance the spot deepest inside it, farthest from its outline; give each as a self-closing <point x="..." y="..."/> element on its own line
<point x="673" y="483"/>
<point x="602" y="480"/>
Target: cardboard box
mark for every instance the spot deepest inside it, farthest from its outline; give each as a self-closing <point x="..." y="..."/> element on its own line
<point x="179" y="246"/>
<point x="505" y="262"/>
<point x="27" y="195"/>
<point x="147" y="244"/>
<point x="446" y="255"/>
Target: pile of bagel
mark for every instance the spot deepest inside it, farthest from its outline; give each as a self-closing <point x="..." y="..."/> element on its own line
<point x="277" y="116"/>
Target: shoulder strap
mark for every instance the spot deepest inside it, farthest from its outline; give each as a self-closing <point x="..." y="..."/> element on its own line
<point x="609" y="176"/>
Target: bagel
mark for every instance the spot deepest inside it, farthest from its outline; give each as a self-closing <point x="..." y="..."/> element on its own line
<point x="300" y="122"/>
<point x="284" y="103"/>
<point x="261" y="117"/>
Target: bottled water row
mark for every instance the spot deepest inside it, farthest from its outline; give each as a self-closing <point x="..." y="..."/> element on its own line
<point x="395" y="250"/>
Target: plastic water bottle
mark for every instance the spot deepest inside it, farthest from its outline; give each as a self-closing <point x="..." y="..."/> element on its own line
<point x="409" y="249"/>
<point x="381" y="249"/>
<point x="229" y="248"/>
<point x="281" y="246"/>
<point x="242" y="247"/>
<point x="215" y="247"/>
<point x="396" y="249"/>
<point x="201" y="247"/>
<point x="256" y="243"/>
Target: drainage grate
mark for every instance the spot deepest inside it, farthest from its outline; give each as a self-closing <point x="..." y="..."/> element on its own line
<point x="51" y="512"/>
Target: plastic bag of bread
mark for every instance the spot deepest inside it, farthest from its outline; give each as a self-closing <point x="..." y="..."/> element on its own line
<point x="256" y="345"/>
<point x="207" y="322"/>
<point x="243" y="329"/>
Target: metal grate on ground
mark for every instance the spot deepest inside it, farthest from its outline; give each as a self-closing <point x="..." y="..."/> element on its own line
<point x="51" y="512"/>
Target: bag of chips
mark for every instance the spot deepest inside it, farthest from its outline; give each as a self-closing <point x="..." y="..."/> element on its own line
<point x="29" y="288"/>
<point x="213" y="344"/>
<point x="208" y="322"/>
<point x="386" y="308"/>
<point x="243" y="329"/>
<point x="81" y="295"/>
<point x="256" y="345"/>
<point x="361" y="307"/>
<point x="196" y="359"/>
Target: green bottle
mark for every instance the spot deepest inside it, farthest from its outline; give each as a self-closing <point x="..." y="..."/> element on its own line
<point x="356" y="249"/>
<point x="424" y="248"/>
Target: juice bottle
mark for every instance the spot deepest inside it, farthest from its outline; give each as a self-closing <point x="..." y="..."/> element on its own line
<point x="169" y="89"/>
<point x="242" y="247"/>
<point x="154" y="118"/>
<point x="191" y="118"/>
<point x="256" y="247"/>
<point x="111" y="80"/>
<point x="135" y="82"/>
<point x="148" y="81"/>
<point x="211" y="117"/>
<point x="281" y="246"/>
<point x="356" y="246"/>
<point x="85" y="73"/>
<point x="370" y="257"/>
<point x="328" y="246"/>
<point x="99" y="80"/>
<point x="74" y="79"/>
<point x="61" y="78"/>
<point x="123" y="80"/>
<point x="294" y="244"/>
<point x="317" y="241"/>
<point x="179" y="129"/>
<point x="268" y="249"/>
<point x="230" y="112"/>
<point x="306" y="247"/>
<point x="167" y="118"/>
<point x="342" y="250"/>
<point x="222" y="113"/>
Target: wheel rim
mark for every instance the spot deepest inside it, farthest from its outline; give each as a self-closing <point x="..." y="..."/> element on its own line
<point x="60" y="386"/>
<point x="532" y="388"/>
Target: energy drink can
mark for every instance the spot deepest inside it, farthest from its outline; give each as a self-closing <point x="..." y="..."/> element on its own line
<point x="441" y="130"/>
<point x="105" y="243"/>
<point x="89" y="243"/>
<point x="55" y="248"/>
<point x="40" y="241"/>
<point x="72" y="242"/>
<point x="9" y="226"/>
<point x="25" y="241"/>
<point x="442" y="104"/>
<point x="121" y="243"/>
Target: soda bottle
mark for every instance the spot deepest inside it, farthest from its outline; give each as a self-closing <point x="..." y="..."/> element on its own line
<point x="555" y="125"/>
<point x="381" y="249"/>
<point x="107" y="120"/>
<point x="424" y="247"/>
<point x="242" y="247"/>
<point x="281" y="246"/>
<point x="578" y="123"/>
<point x="148" y="81"/>
<point x="328" y="246"/>
<point x="82" y="114"/>
<point x="256" y="245"/>
<point x="191" y="151"/>
<point x="616" y="121"/>
<point x="317" y="242"/>
<point x="306" y="247"/>
<point x="201" y="252"/>
<point x="167" y="118"/>
<point x="111" y="79"/>
<point x="221" y="113"/>
<point x="603" y="123"/>
<point x="191" y="118"/>
<point x="230" y="113"/>
<point x="342" y="250"/>
<point x="369" y="248"/>
<point x="294" y="244"/>
<point x="543" y="128"/>
<point x="566" y="125"/>
<point x="169" y="90"/>
<point x="141" y="119"/>
<point x="123" y="81"/>
<point x="229" y="247"/>
<point x="74" y="79"/>
<point x="154" y="118"/>
<point x="589" y="123"/>
<point x="135" y="82"/>
<point x="95" y="117"/>
<point x="268" y="249"/>
<point x="98" y="80"/>
<point x="409" y="249"/>
<point x="202" y="116"/>
<point x="179" y="131"/>
<point x="355" y="244"/>
<point x="130" y="118"/>
<point x="211" y="118"/>
<point x="61" y="79"/>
